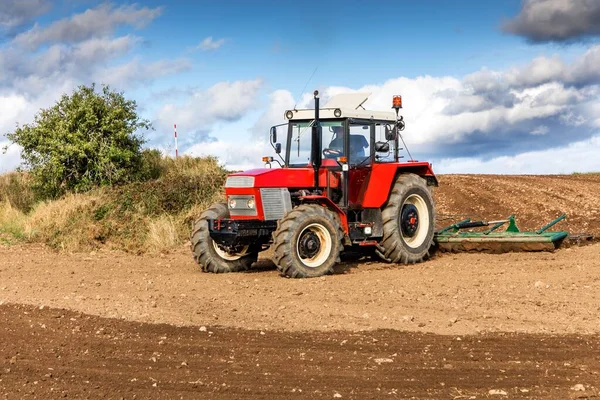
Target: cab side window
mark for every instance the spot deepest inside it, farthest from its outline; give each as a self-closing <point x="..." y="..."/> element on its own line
<point x="359" y="144"/>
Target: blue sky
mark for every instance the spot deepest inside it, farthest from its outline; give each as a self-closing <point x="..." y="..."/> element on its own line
<point x="489" y="86"/>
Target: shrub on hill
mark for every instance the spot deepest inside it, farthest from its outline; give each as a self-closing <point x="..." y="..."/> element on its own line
<point x="87" y="139"/>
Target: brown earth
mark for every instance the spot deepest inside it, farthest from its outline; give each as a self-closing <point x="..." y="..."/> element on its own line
<point x="525" y="320"/>
<point x="51" y="353"/>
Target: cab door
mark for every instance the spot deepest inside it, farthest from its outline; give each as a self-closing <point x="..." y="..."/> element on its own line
<point x="359" y="144"/>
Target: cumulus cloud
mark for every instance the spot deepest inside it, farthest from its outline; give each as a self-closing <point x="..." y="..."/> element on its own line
<point x="222" y="102"/>
<point x="95" y="22"/>
<point x="235" y="155"/>
<point x="9" y="159"/>
<point x="38" y="65"/>
<point x="85" y="62"/>
<point x="135" y="72"/>
<point x="485" y="114"/>
<point x="556" y="20"/>
<point x="540" y="130"/>
<point x="279" y="100"/>
<point x="210" y="44"/>
<point x="580" y="156"/>
<point x="16" y="13"/>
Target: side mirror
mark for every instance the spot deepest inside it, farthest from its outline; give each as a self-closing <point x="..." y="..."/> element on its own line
<point x="278" y="148"/>
<point x="382" y="147"/>
<point x="391" y="133"/>
<point x="273" y="134"/>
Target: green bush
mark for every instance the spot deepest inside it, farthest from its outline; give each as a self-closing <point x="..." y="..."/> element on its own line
<point x="85" y="140"/>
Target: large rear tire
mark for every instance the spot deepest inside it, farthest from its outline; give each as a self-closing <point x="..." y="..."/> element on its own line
<point x="307" y="242"/>
<point x="210" y="256"/>
<point x="408" y="221"/>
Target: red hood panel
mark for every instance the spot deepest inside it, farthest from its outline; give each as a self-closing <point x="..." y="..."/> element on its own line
<point x="280" y="177"/>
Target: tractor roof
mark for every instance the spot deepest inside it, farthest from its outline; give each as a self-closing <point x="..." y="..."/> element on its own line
<point x="345" y="105"/>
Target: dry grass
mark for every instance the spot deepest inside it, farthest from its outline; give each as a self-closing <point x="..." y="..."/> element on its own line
<point x="13" y="223"/>
<point x="64" y="223"/>
<point x="16" y="188"/>
<point x="162" y="234"/>
<point x="144" y="216"/>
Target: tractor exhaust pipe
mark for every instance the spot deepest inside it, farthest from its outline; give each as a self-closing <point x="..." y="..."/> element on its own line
<point x="316" y="141"/>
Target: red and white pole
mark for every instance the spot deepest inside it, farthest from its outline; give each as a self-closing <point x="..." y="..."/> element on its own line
<point x="176" y="149"/>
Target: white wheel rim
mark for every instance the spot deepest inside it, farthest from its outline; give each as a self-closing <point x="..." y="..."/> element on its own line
<point x="420" y="235"/>
<point x="324" y="251"/>
<point x="229" y="256"/>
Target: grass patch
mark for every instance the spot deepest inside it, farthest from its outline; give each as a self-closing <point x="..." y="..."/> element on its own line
<point x="16" y="188"/>
<point x="155" y="215"/>
<point x="13" y="222"/>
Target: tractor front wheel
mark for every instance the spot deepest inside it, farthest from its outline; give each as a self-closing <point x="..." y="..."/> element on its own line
<point x="211" y="256"/>
<point x="408" y="221"/>
<point x="307" y="242"/>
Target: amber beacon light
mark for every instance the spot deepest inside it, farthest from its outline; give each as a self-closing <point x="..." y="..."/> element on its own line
<point x="397" y="102"/>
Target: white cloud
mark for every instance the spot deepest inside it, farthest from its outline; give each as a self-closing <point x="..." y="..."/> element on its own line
<point x="12" y="105"/>
<point x="540" y="130"/>
<point x="556" y="20"/>
<point x="224" y="101"/>
<point x="15" y="13"/>
<point x="210" y="44"/>
<point x="279" y="101"/>
<point x="43" y="63"/>
<point x="582" y="156"/>
<point x="235" y="155"/>
<point x="136" y="71"/>
<point x="94" y="22"/>
<point x="491" y="114"/>
<point x="11" y="159"/>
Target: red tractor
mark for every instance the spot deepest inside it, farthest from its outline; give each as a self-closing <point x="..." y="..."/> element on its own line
<point x="341" y="187"/>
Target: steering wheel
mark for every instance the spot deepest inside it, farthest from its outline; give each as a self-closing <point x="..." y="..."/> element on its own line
<point x="332" y="153"/>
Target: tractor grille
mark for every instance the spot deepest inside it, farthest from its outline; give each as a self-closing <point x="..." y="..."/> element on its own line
<point x="276" y="203"/>
<point x="239" y="182"/>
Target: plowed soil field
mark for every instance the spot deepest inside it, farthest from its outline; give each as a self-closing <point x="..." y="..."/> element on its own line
<point x="461" y="326"/>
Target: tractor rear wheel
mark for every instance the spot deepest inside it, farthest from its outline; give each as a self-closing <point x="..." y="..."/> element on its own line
<point x="211" y="256"/>
<point x="408" y="221"/>
<point x="307" y="242"/>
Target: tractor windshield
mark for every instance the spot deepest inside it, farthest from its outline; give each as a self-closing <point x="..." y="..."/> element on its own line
<point x="301" y="138"/>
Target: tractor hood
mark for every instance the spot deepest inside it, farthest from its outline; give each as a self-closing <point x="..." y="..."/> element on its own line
<point x="272" y="177"/>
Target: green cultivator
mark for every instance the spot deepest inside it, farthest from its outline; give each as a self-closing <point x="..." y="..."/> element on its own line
<point x="454" y="238"/>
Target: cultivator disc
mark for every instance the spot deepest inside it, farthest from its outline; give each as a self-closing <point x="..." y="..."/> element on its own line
<point x="453" y="238"/>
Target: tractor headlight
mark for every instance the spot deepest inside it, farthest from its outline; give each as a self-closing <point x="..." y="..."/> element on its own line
<point x="368" y="231"/>
<point x="250" y="203"/>
<point x="232" y="203"/>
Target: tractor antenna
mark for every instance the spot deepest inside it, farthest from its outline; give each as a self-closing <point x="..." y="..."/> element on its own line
<point x="304" y="88"/>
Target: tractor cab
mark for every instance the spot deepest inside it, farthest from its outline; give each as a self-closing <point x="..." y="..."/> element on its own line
<point x="339" y="184"/>
<point x="348" y="144"/>
<point x="347" y="135"/>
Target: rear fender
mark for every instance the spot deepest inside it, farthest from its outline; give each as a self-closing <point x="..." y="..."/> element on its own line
<point x="424" y="171"/>
<point x="384" y="175"/>
<point x="326" y="202"/>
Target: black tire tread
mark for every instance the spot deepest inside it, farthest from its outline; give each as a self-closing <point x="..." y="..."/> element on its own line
<point x="201" y="245"/>
<point x="392" y="244"/>
<point x="283" y="244"/>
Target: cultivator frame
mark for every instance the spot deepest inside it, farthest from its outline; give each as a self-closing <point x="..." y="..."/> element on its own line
<point x="452" y="238"/>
